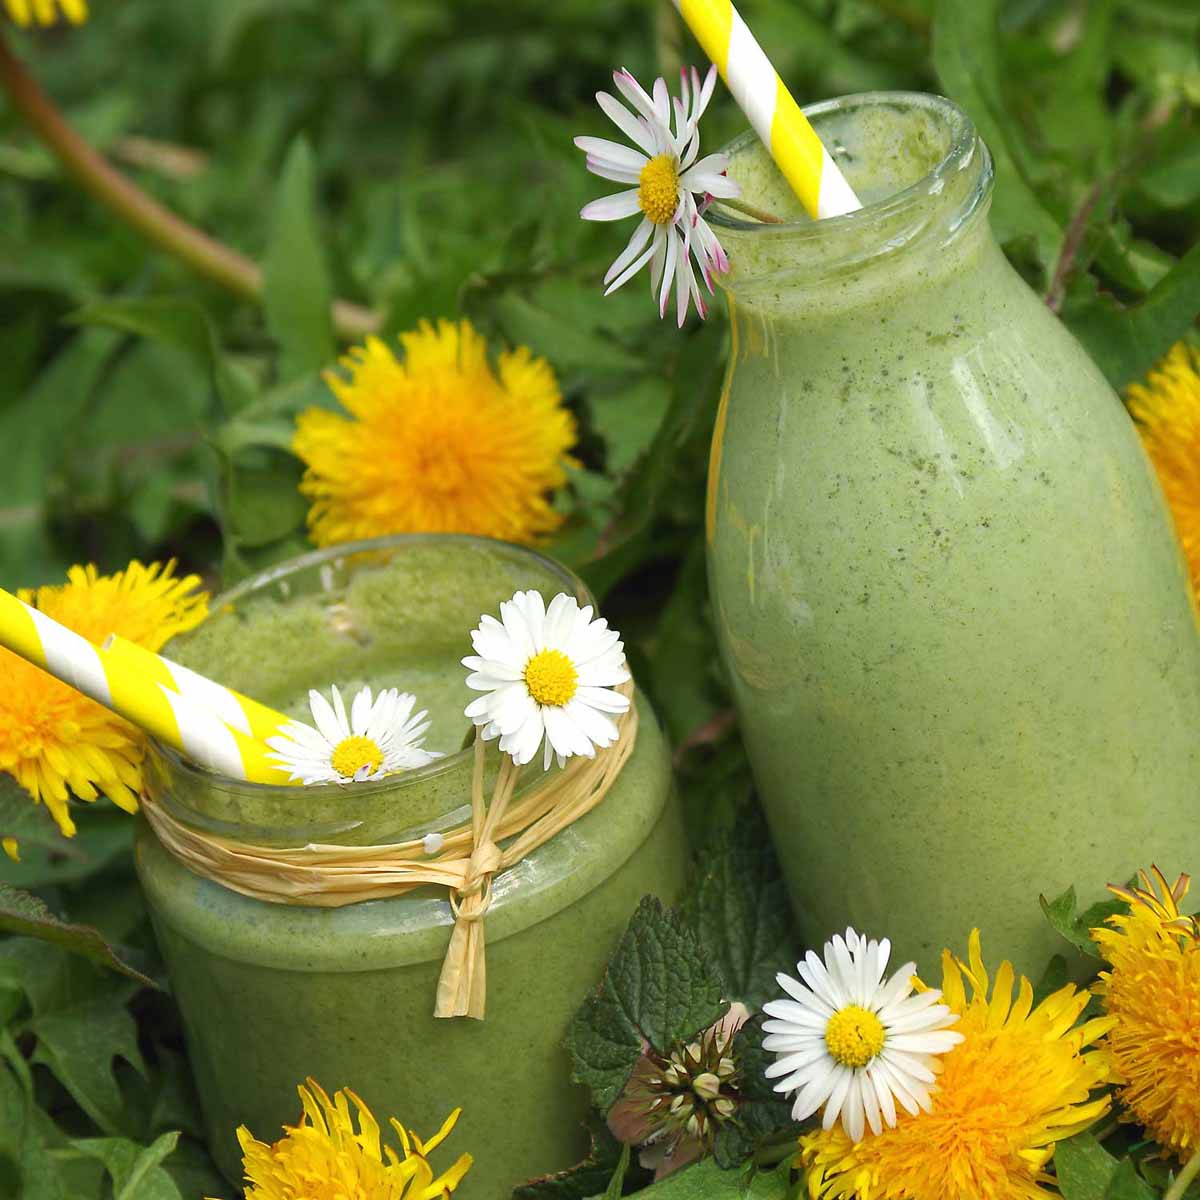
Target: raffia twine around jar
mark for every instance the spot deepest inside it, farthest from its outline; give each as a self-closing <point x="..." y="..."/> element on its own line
<point x="501" y="832"/>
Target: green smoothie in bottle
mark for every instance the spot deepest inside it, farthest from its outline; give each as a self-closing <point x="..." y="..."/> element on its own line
<point x="272" y="993"/>
<point x="946" y="587"/>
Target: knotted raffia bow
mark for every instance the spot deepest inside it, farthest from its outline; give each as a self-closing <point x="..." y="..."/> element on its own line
<point x="331" y="876"/>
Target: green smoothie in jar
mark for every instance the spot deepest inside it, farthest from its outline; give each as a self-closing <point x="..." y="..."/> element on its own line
<point x="957" y="621"/>
<point x="272" y="993"/>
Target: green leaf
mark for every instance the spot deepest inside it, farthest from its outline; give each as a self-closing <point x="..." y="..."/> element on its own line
<point x="1173" y="181"/>
<point x="104" y="834"/>
<point x="628" y="417"/>
<point x="79" y="1043"/>
<point x="672" y="470"/>
<point x="29" y="823"/>
<point x="1126" y="342"/>
<point x="1127" y="1184"/>
<point x="24" y="914"/>
<point x="177" y="322"/>
<point x="583" y="1180"/>
<point x="195" y="1174"/>
<point x="1076" y="927"/>
<point x="738" y="907"/>
<point x="966" y="56"/>
<point x="681" y="676"/>
<point x="705" y="1180"/>
<point x="761" y="1111"/>
<point x="136" y="1171"/>
<point x="564" y="342"/>
<point x="617" y="1182"/>
<point x="1084" y="1168"/>
<point x="296" y="292"/>
<point x="657" y="991"/>
<point x="263" y="501"/>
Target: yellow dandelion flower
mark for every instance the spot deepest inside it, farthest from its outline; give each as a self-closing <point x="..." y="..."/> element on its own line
<point x="1166" y="408"/>
<point x="46" y="12"/>
<point x="437" y="443"/>
<point x="1152" y="989"/>
<point x="326" y="1158"/>
<point x="1020" y="1080"/>
<point x="53" y="739"/>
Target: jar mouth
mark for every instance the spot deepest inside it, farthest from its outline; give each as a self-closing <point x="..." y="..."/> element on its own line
<point x="187" y="776"/>
<point x="963" y="148"/>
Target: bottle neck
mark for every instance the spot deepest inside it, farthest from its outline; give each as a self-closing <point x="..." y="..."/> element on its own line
<point x="925" y="178"/>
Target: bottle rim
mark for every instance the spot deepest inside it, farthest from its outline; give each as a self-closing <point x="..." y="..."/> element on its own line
<point x="168" y="769"/>
<point x="964" y="149"/>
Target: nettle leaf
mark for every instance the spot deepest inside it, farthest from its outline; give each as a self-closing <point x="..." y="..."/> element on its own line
<point x="1076" y="927"/>
<point x="705" y="1180"/>
<point x="738" y="907"/>
<point x="136" y="1171"/>
<point x="24" y="914"/>
<point x="296" y="288"/>
<point x="657" y="990"/>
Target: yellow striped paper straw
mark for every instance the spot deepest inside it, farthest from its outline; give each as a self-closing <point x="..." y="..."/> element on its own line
<point x="148" y="702"/>
<point x="236" y="710"/>
<point x="773" y="114"/>
<point x="131" y="667"/>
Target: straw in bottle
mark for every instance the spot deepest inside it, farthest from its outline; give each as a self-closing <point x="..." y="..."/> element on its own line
<point x="773" y="113"/>
<point x="123" y="684"/>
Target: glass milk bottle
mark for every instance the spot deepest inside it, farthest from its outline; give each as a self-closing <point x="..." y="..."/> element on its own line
<point x="946" y="588"/>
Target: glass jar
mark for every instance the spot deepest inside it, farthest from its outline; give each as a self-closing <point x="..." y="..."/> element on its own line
<point x="946" y="587"/>
<point x="272" y="993"/>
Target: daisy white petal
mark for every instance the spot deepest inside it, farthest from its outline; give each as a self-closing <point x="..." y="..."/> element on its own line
<point x="640" y="238"/>
<point x="853" y="1043"/>
<point x="635" y="130"/>
<point x="633" y="91"/>
<point x="603" y="150"/>
<point x="608" y="170"/>
<point x="611" y="208"/>
<point x="634" y="267"/>
<point x="379" y="737"/>
<point x="558" y="700"/>
<point x="673" y="187"/>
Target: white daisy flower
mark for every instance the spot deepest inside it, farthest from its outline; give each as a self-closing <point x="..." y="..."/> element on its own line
<point x="547" y="675"/>
<point x="853" y="1043"/>
<point x="380" y="737"/>
<point x="672" y="188"/>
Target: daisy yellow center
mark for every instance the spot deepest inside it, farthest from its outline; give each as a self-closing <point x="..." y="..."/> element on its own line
<point x="658" y="189"/>
<point x="551" y="678"/>
<point x="353" y="753"/>
<point x="1021" y="1080"/>
<point x="854" y="1036"/>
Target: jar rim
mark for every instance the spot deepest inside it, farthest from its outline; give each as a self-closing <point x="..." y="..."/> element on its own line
<point x="964" y="144"/>
<point x="278" y="572"/>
